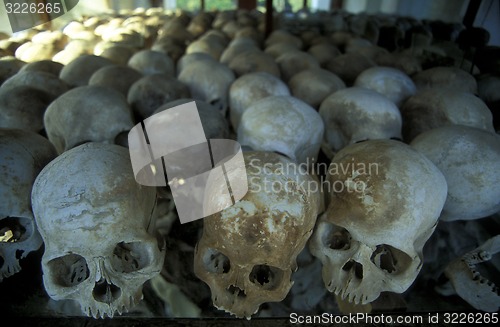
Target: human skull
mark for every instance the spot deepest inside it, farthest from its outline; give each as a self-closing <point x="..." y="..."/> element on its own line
<point x="107" y="77"/>
<point x="356" y="114"/>
<point x="313" y="85"/>
<point x="87" y="114"/>
<point x="250" y="88"/>
<point x="282" y="124"/>
<point x="467" y="280"/>
<point x="78" y="71"/>
<point x="293" y="62"/>
<point x="23" y="107"/>
<point x="348" y="66"/>
<point x="150" y="62"/>
<point x="436" y="107"/>
<point x="450" y="77"/>
<point x="24" y="154"/>
<point x="208" y="81"/>
<point x="385" y="200"/>
<point x="391" y="82"/>
<point x="248" y="251"/>
<point x="151" y="91"/>
<point x="254" y="60"/>
<point x="468" y="158"/>
<point x="98" y="227"/>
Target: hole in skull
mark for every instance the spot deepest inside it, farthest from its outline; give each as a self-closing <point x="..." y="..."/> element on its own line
<point x="69" y="270"/>
<point x="19" y="254"/>
<point x="358" y="268"/>
<point x="216" y="262"/>
<point x="130" y="257"/>
<point x="390" y="259"/>
<point x="105" y="292"/>
<point x="122" y="139"/>
<point x="361" y="141"/>
<point x="12" y="229"/>
<point x="2" y="261"/>
<point x="235" y="290"/>
<point x="268" y="277"/>
<point x="217" y="103"/>
<point x="336" y="237"/>
<point x="396" y="139"/>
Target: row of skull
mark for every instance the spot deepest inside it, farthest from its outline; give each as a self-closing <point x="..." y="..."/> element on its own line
<point x="368" y="242"/>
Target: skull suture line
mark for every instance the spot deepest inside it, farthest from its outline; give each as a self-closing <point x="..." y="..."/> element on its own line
<point x="248" y="251"/>
<point x="23" y="155"/>
<point x="97" y="224"/>
<point x="370" y="239"/>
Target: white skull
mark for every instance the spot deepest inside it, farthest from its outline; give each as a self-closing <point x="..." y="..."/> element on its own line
<point x="282" y="124"/>
<point x="248" y="251"/>
<point x="87" y="114"/>
<point x="250" y="88"/>
<point x="97" y="224"/>
<point x="391" y="82"/>
<point x="385" y="200"/>
<point x="24" y="154"/>
<point x="150" y="62"/>
<point x="313" y="85"/>
<point x="358" y="114"/>
<point x="468" y="158"/>
<point x="436" y="107"/>
<point x="208" y="81"/>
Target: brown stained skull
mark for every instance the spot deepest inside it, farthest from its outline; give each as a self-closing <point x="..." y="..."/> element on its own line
<point x="248" y="251"/>
<point x="385" y="200"/>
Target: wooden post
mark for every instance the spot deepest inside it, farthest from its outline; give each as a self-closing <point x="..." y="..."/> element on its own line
<point x="335" y="5"/>
<point x="269" y="17"/>
<point x="247" y="4"/>
<point x="202" y="5"/>
<point x="304" y="4"/>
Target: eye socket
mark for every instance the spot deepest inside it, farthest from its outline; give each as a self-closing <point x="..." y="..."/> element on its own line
<point x="336" y="237"/>
<point x="216" y="262"/>
<point x="12" y="229"/>
<point x="130" y="257"/>
<point x="266" y="277"/>
<point x="390" y="259"/>
<point x="69" y="270"/>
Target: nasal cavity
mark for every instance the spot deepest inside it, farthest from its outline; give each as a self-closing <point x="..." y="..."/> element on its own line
<point x="356" y="266"/>
<point x="235" y="290"/>
<point x="105" y="292"/>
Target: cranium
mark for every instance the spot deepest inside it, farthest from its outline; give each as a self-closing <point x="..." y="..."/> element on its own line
<point x="450" y="77"/>
<point x="313" y="85"/>
<point x="357" y="114"/>
<point x="467" y="280"/>
<point x="282" y="124"/>
<point x="208" y="81"/>
<point x="250" y="88"/>
<point x="98" y="227"/>
<point x="78" y="71"/>
<point x="107" y="77"/>
<point x="87" y="113"/>
<point x="150" y="62"/>
<point x="248" y="251"/>
<point x="385" y="200"/>
<point x="150" y="92"/>
<point x="468" y="158"/>
<point x="436" y="107"/>
<point x="24" y="154"/>
<point x="391" y="82"/>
